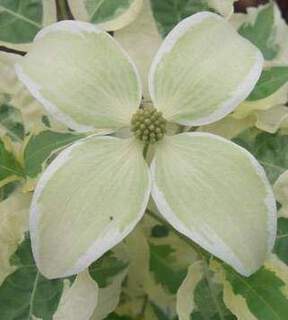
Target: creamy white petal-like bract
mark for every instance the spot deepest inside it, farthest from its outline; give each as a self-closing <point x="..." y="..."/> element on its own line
<point x="89" y="198"/>
<point x="81" y="76"/>
<point x="217" y="194"/>
<point x="203" y="70"/>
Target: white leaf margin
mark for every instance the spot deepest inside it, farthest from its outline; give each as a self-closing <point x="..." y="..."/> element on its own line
<point x="80" y="12"/>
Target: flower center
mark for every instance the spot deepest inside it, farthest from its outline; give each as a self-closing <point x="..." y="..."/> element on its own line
<point x="148" y="125"/>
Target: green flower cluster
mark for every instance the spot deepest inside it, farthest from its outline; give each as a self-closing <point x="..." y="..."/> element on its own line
<point x="148" y="125"/>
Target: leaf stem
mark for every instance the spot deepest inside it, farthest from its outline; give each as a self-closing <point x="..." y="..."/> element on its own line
<point x="63" y="10"/>
<point x="10" y="50"/>
<point x="145" y="150"/>
<point x="33" y="293"/>
<point x="145" y="302"/>
<point x="211" y="288"/>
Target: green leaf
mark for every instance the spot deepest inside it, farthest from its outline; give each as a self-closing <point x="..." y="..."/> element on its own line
<point x="162" y="264"/>
<point x="9" y="166"/>
<point x="20" y="20"/>
<point x="262" y="32"/>
<point x="281" y="245"/>
<point x="208" y="297"/>
<point x="11" y="122"/>
<point x="168" y="13"/>
<point x="109" y="297"/>
<point x="271" y="150"/>
<point x="25" y="292"/>
<point x="262" y="291"/>
<point x="101" y="11"/>
<point x="41" y="146"/>
<point x="106" y="268"/>
<point x="109" y="15"/>
<point x="270" y="81"/>
<point x="201" y="294"/>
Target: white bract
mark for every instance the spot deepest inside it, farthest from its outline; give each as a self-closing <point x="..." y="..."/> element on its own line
<point x="95" y="192"/>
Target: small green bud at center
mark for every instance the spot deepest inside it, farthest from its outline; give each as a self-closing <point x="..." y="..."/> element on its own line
<point x="148" y="125"/>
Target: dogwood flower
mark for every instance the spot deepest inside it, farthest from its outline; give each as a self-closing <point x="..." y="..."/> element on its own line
<point x="95" y="192"/>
